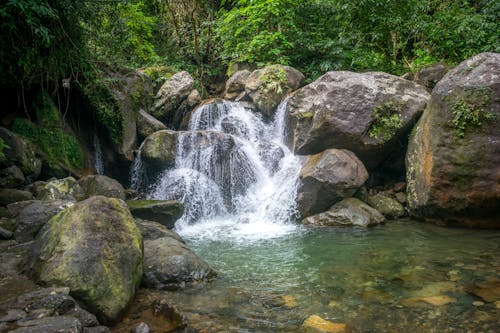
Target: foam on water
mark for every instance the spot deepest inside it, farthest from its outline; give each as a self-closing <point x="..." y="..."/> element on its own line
<point x="234" y="174"/>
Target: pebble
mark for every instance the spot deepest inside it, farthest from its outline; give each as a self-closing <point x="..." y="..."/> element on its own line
<point x="478" y="303"/>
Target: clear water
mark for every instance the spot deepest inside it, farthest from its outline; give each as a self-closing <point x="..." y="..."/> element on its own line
<point x="360" y="277"/>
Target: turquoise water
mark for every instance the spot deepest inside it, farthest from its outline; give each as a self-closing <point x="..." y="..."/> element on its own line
<point x="374" y="280"/>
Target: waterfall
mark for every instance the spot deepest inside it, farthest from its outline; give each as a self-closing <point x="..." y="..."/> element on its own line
<point x="233" y="173"/>
<point x="98" y="163"/>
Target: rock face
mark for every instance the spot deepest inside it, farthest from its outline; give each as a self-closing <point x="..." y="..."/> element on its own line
<point x="34" y="216"/>
<point x="147" y="124"/>
<point x="169" y="264"/>
<point x="453" y="158"/>
<point x="166" y="212"/>
<point x="236" y="84"/>
<point x="268" y="86"/>
<point x="171" y="94"/>
<point x="346" y="213"/>
<point x="94" y="248"/>
<point x="101" y="185"/>
<point x="20" y="153"/>
<point x="370" y="114"/>
<point x="327" y="178"/>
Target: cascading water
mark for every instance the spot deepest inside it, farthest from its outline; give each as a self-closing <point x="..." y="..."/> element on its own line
<point x="233" y="173"/>
<point x="98" y="163"/>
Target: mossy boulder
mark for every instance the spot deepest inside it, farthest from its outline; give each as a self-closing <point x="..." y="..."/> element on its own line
<point x="268" y="86"/>
<point x="346" y="213"/>
<point x="60" y="189"/>
<point x="158" y="151"/>
<point x="370" y="114"/>
<point x="166" y="212"/>
<point x="327" y="178"/>
<point x="389" y="207"/>
<point x="20" y="152"/>
<point x="101" y="185"/>
<point x="94" y="248"/>
<point x="453" y="158"/>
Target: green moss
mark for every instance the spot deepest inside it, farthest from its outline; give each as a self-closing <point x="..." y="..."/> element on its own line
<point x="48" y="133"/>
<point x="273" y="79"/>
<point x="134" y="204"/>
<point x="468" y="109"/>
<point x="387" y="121"/>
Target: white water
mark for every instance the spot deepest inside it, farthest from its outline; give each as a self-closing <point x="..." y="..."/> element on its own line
<point x="233" y="173"/>
<point x="98" y="162"/>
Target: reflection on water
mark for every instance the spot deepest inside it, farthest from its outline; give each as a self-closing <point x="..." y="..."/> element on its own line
<point x="401" y="277"/>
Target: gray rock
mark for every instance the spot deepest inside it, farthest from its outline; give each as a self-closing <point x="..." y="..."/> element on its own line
<point x="34" y="216"/>
<point x="11" y="177"/>
<point x="346" y="213"/>
<point x="141" y="328"/>
<point x="147" y="124"/>
<point x="158" y="151"/>
<point x="5" y="234"/>
<point x="13" y="315"/>
<point x="60" y="189"/>
<point x="8" y="196"/>
<point x="185" y="108"/>
<point x="347" y="110"/>
<point x="236" y="84"/>
<point x="59" y="324"/>
<point x="171" y="94"/>
<point x="153" y="230"/>
<point x="20" y="153"/>
<point x="54" y="303"/>
<point x="328" y="177"/>
<point x="86" y="318"/>
<point x="453" y="166"/>
<point x="431" y="75"/>
<point x="388" y="206"/>
<point x="101" y="185"/>
<point x="96" y="329"/>
<point x="166" y="212"/>
<point x="169" y="264"/>
<point x="268" y="86"/>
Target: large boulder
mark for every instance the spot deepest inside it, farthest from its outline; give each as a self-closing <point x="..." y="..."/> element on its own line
<point x="268" y="86"/>
<point x="370" y="114"/>
<point x="147" y="124"/>
<point x="236" y="84"/>
<point x="60" y="189"/>
<point x="34" y="216"/>
<point x="11" y="177"/>
<point x="101" y="185"/>
<point x="166" y="212"/>
<point x="170" y="96"/>
<point x="158" y="151"/>
<point x="169" y="264"/>
<point x="21" y="153"/>
<point x="453" y="159"/>
<point x="94" y="248"/>
<point x="327" y="178"/>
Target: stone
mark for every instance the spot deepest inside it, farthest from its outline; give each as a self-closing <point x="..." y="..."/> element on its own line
<point x="185" y="108"/>
<point x="170" y="264"/>
<point x="86" y="318"/>
<point x="96" y="329"/>
<point x="236" y="84"/>
<point x="327" y="178"/>
<point x="58" y="324"/>
<point x="5" y="234"/>
<point x="142" y="327"/>
<point x="488" y="291"/>
<point x="170" y="96"/>
<point x="101" y="185"/>
<point x="346" y="213"/>
<point x="21" y="153"/>
<point x="9" y="195"/>
<point x="316" y="324"/>
<point x="153" y="230"/>
<point x="429" y="76"/>
<point x="166" y="212"/>
<point x="34" y="216"/>
<point x="147" y="124"/>
<point x="290" y="301"/>
<point x="94" y="248"/>
<point x="438" y="300"/>
<point x="11" y="177"/>
<point x="386" y="205"/>
<point x="347" y="110"/>
<point x="453" y="166"/>
<point x="268" y="86"/>
<point x="60" y="189"/>
<point x="13" y="315"/>
<point x="158" y="151"/>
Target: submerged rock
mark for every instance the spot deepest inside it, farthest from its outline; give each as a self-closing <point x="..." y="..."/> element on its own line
<point x="316" y="324"/>
<point x="453" y="158"/>
<point x="268" y="86"/>
<point x="170" y="264"/>
<point x="328" y="177"/>
<point x="101" y="185"/>
<point x="166" y="212"/>
<point x="346" y="213"/>
<point x="370" y="114"/>
<point x="95" y="248"/>
<point x="489" y="291"/>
